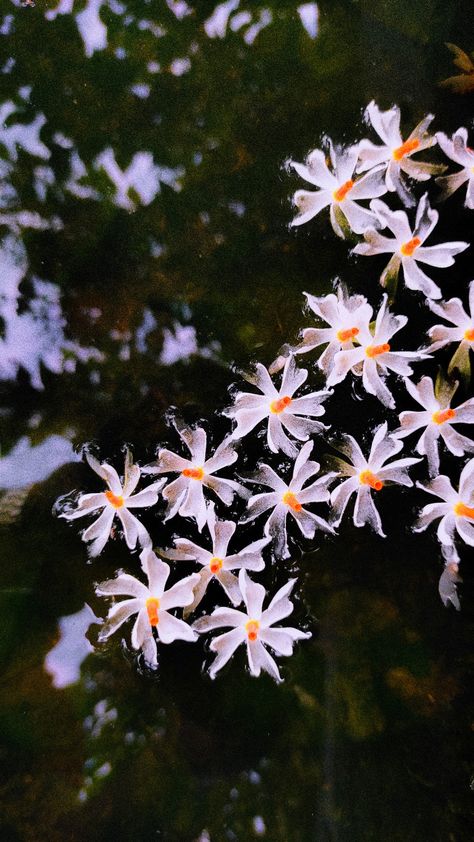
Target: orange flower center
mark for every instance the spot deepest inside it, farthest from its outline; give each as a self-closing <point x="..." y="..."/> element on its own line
<point x="115" y="500"/>
<point x="152" y="607"/>
<point x="215" y="564"/>
<point x="193" y="473"/>
<point x="252" y="628"/>
<point x="280" y="404"/>
<point x="368" y="478"/>
<point x="345" y="335"/>
<point x="442" y="415"/>
<point x="343" y="190"/>
<point x="291" y="500"/>
<point x="408" y="248"/>
<point x="375" y="350"/>
<point x="462" y="510"/>
<point x="405" y="148"/>
<point x="469" y="334"/>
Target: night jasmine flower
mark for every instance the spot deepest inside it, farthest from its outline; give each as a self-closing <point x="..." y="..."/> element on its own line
<point x="338" y="188"/>
<point x="151" y="603"/>
<point x="185" y="494"/>
<point x="436" y="420"/>
<point x="458" y="150"/>
<point x="115" y="502"/>
<point x="290" y="499"/>
<point x="456" y="511"/>
<point x="407" y="247"/>
<point x="279" y="407"/>
<point x="255" y="628"/>
<point x="366" y="476"/>
<point x="373" y="357"/>
<point x="346" y="315"/>
<point x="217" y="564"/>
<point x="395" y="154"/>
<point x="463" y="331"/>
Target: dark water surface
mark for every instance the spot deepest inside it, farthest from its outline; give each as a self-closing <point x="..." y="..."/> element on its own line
<point x="144" y="250"/>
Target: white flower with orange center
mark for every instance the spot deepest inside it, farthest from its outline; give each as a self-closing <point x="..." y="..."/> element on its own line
<point x="463" y="324"/>
<point x="280" y="407"/>
<point x="407" y="247"/>
<point x="368" y="476"/>
<point x="458" y="150"/>
<point x="346" y="316"/>
<point x="152" y="605"/>
<point x="437" y="419"/>
<point x="339" y="189"/>
<point x="374" y="357"/>
<point x="185" y="495"/>
<point x="115" y="502"/>
<point x="290" y="499"/>
<point x="456" y="512"/>
<point x="217" y="563"/>
<point x="396" y="153"/>
<point x="255" y="627"/>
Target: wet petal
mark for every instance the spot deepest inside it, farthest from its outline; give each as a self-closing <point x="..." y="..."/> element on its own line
<point x="282" y="640"/>
<point x="99" y="531"/>
<point x="194" y="504"/>
<point x="141" y="629"/>
<point x="118" y="615"/>
<point x="171" y="462"/>
<point x="253" y="594"/>
<point x="170" y="628"/>
<point x="156" y="570"/>
<point x="230" y="583"/>
<point x="147" y="497"/>
<point x="340" y="497"/>
<point x="123" y="585"/>
<point x="220" y="618"/>
<point x="365" y="511"/>
<point x="225" y="646"/>
<point x="107" y="473"/>
<point x="309" y="204"/>
<point x="259" y="660"/>
<point x="277" y="439"/>
<point x="181" y="593"/>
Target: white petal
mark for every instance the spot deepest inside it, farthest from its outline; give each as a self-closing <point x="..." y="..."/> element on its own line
<point x="225" y="646"/>
<point x="107" y="473"/>
<point x="340" y="497"/>
<point x="170" y="628"/>
<point x="282" y="640"/>
<point x="118" y="615"/>
<point x="124" y="585"/>
<point x="253" y="594"/>
<point x="180" y="594"/>
<point x="157" y="572"/>
<point x="147" y="497"/>
<point x="98" y="533"/>
<point x="365" y="511"/>
<point x="309" y="204"/>
<point x="259" y="659"/>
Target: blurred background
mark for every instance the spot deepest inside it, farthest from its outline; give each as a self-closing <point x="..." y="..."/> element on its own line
<point x="145" y="258"/>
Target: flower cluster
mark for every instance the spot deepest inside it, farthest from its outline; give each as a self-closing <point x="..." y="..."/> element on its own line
<point x="351" y="338"/>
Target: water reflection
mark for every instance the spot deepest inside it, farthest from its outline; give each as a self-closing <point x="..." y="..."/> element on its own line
<point x="63" y="661"/>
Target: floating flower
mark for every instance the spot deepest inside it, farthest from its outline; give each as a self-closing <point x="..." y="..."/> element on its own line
<point x="462" y="332"/>
<point x="216" y="564"/>
<point x="437" y="419"/>
<point x="255" y="628"/>
<point x="116" y="501"/>
<point x="374" y="356"/>
<point x="339" y="189"/>
<point x="346" y="314"/>
<point x="152" y="604"/>
<point x="457" y="510"/>
<point x="458" y="150"/>
<point x="407" y="246"/>
<point x="368" y="475"/>
<point x="185" y="494"/>
<point x="290" y="499"/>
<point x="395" y="154"/>
<point x="279" y="407"/>
<point x="447" y="586"/>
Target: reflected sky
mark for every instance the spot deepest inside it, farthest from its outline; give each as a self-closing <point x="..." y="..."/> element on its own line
<point x="63" y="661"/>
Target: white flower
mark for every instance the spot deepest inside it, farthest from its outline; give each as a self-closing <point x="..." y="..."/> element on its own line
<point x="279" y="407"/>
<point x="396" y="153"/>
<point x="374" y="355"/>
<point x="437" y="419"/>
<point x="338" y="189"/>
<point x="152" y="605"/>
<point x="457" y="510"/>
<point x="116" y="501"/>
<point x="447" y="586"/>
<point x="185" y="494"/>
<point x="367" y="475"/>
<point x="253" y="628"/>
<point x="458" y="150"/>
<point x="290" y="499"/>
<point x="463" y="330"/>
<point x="217" y="564"/>
<point x="346" y="314"/>
<point x="407" y="246"/>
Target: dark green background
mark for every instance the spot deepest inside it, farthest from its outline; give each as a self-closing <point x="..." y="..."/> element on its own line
<point x="370" y="736"/>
